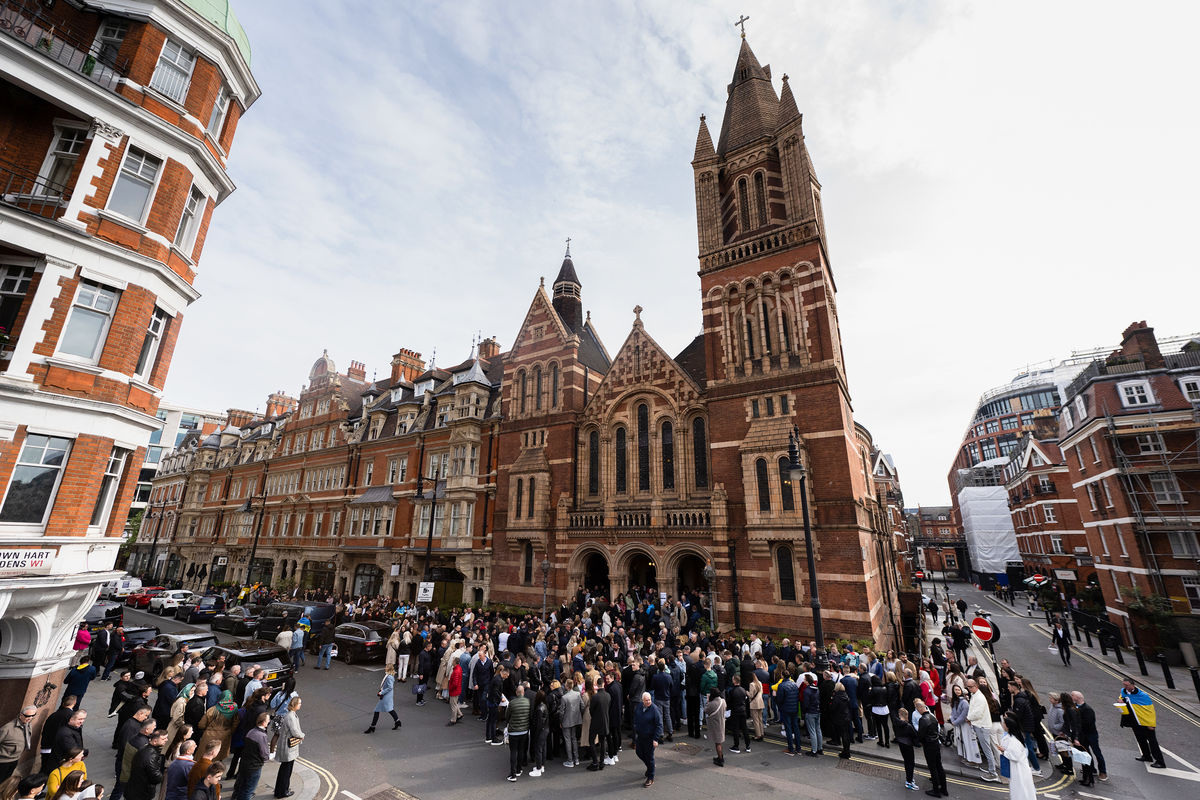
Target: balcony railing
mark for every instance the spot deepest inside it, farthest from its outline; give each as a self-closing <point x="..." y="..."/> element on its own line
<point x="672" y="518"/>
<point x="24" y="189"/>
<point x="25" y="22"/>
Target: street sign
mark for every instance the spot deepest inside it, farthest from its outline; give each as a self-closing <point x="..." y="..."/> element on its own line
<point x="425" y="592"/>
<point x="982" y="629"/>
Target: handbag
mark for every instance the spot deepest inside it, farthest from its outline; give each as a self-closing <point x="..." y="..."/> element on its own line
<point x="294" y="741"/>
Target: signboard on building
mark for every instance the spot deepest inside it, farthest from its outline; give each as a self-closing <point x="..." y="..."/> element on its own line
<point x="222" y="561"/>
<point x="395" y="570"/>
<point x="425" y="592"/>
<point x="21" y="561"/>
<point x="1065" y="574"/>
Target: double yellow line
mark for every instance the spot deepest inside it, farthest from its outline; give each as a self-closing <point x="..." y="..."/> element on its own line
<point x="331" y="783"/>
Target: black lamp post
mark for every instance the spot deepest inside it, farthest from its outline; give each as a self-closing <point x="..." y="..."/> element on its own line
<point x="157" y="516"/>
<point x="545" y="584"/>
<point x="710" y="575"/>
<point x="797" y="472"/>
<point x="262" y="512"/>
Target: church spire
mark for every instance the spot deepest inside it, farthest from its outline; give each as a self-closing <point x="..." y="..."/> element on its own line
<point x="752" y="107"/>
<point x="788" y="112"/>
<point x="704" y="145"/>
<point x="568" y="300"/>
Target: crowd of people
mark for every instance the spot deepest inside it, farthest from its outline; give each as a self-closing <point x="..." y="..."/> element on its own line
<point x="574" y="688"/>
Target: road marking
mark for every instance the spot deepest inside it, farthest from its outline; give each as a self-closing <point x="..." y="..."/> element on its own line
<point x="1174" y="773"/>
<point x="1093" y="796"/>
<point x="330" y="780"/>
<point x="351" y="796"/>
<point x="1177" y="758"/>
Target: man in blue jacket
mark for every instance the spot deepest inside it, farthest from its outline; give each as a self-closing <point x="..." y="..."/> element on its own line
<point x="647" y="733"/>
<point x="787" y="698"/>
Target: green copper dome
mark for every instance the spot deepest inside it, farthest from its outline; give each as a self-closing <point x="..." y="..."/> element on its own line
<point x="219" y="13"/>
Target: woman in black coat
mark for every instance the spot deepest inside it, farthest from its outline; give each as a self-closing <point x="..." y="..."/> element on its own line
<point x="840" y="718"/>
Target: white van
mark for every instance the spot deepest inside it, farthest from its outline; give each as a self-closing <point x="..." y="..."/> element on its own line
<point x="120" y="588"/>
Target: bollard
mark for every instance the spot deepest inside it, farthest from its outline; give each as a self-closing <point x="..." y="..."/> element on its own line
<point x="1103" y="649"/>
<point x="1075" y="625"/>
<point x="1137" y="651"/>
<point x="1195" y="680"/>
<point x="1048" y="620"/>
<point x="1117" y="650"/>
<point x="1162" y="659"/>
<point x="1088" y="635"/>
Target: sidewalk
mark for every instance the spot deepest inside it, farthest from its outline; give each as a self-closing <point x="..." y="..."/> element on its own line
<point x="97" y="736"/>
<point x="1183" y="696"/>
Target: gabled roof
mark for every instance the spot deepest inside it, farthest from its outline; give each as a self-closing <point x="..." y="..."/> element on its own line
<point x="592" y="352"/>
<point x="642" y="362"/>
<point x="541" y="302"/>
<point x="752" y="109"/>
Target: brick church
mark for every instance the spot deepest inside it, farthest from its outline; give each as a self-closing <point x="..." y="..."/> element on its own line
<point x="639" y="467"/>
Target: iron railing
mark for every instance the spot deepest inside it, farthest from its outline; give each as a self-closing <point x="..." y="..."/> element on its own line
<point x="26" y="190"/>
<point x="25" y="22"/>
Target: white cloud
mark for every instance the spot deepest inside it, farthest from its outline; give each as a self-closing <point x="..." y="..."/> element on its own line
<point x="1003" y="183"/>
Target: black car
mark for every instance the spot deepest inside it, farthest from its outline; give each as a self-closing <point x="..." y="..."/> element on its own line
<point x="238" y="620"/>
<point x="255" y="653"/>
<point x="103" y="612"/>
<point x="285" y="615"/>
<point x="136" y="637"/>
<point x="201" y="608"/>
<point x="153" y="656"/>
<point x="361" y="641"/>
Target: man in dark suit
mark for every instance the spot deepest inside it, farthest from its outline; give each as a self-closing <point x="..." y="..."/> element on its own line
<point x="927" y="735"/>
<point x="695" y="669"/>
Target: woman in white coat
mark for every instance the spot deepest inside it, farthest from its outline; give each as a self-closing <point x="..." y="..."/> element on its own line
<point x="1012" y="747"/>
<point x="288" y="749"/>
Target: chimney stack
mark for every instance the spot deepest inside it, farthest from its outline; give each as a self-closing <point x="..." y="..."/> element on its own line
<point x="239" y="417"/>
<point x="406" y="366"/>
<point x="357" y="372"/>
<point x="1045" y="425"/>
<point x="489" y="348"/>
<point x="279" y="403"/>
<point x="1138" y="342"/>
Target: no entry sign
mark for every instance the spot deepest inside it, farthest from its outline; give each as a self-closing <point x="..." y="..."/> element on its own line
<point x="982" y="629"/>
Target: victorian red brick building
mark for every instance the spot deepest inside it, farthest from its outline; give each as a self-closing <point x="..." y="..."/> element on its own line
<point x="116" y="121"/>
<point x="642" y="468"/>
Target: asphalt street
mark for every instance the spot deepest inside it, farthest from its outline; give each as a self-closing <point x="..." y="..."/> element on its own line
<point x="426" y="759"/>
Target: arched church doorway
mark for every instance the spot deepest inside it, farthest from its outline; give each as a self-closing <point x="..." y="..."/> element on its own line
<point x="690" y="576"/>
<point x="643" y="572"/>
<point x="595" y="574"/>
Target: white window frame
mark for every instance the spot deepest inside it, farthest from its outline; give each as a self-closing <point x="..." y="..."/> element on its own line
<point x="155" y="331"/>
<point x="1150" y="444"/>
<point x="1190" y="386"/>
<point x="1165" y="488"/>
<point x="1191" y="589"/>
<point x="218" y="115"/>
<point x="60" y="467"/>
<point x="1080" y="408"/>
<point x="1068" y="420"/>
<point x="172" y="65"/>
<point x="1050" y="514"/>
<point x="98" y="290"/>
<point x="1135" y="394"/>
<point x="189" y="221"/>
<point x="1056" y="545"/>
<point x="1184" y="544"/>
<point x="1095" y="450"/>
<point x="52" y="155"/>
<point x="150" y="195"/>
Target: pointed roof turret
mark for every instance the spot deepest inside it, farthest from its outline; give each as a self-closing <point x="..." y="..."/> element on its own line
<point x="788" y="112"/>
<point x="566" y="273"/>
<point x="567" y="293"/>
<point x="704" y="145"/>
<point x="752" y="108"/>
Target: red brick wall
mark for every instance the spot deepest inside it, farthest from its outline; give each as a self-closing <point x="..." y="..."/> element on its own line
<point x="79" y="486"/>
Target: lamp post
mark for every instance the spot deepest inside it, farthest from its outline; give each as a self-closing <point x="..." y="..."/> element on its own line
<point x="545" y="583"/>
<point x="148" y="570"/>
<point x="710" y="575"/>
<point x="262" y="512"/>
<point x="797" y="472"/>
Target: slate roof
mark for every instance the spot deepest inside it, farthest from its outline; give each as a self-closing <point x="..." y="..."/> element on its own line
<point x="566" y="274"/>
<point x="691" y="361"/>
<point x="591" y="351"/>
<point x="375" y="494"/>
<point x="752" y="110"/>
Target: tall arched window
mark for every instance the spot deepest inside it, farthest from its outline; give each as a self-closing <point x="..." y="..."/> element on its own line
<point x="528" y="558"/>
<point x="749" y="335"/>
<point x="532" y="494"/>
<point x="787" y="574"/>
<point x="760" y="196"/>
<point x="594" y="463"/>
<point x="643" y="446"/>
<point x="700" y="453"/>
<point x="764" y="485"/>
<point x="520" y="496"/>
<point x="787" y="336"/>
<point x="743" y="205"/>
<point x="537" y="388"/>
<point x="785" y="485"/>
<point x="768" y="327"/>
<point x="621" y="465"/>
<point x="523" y="388"/>
<point x="554" y="385"/>
<point x="668" y="456"/>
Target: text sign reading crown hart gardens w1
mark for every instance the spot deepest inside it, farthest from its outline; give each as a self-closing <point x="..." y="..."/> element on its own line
<point x="19" y="561"/>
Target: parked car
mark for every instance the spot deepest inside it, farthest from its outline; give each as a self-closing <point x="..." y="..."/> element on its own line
<point x="120" y="588"/>
<point x="285" y="615"/>
<point x="256" y="653"/>
<point x="239" y="620"/>
<point x="153" y="656"/>
<point x="361" y="641"/>
<point x="141" y="598"/>
<point x="102" y="612"/>
<point x="200" y="608"/>
<point x="169" y="600"/>
<point x="135" y="637"/>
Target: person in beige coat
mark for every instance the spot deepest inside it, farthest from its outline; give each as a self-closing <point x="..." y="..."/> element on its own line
<point x="290" y="739"/>
<point x="756" y="707"/>
<point x="714" y="718"/>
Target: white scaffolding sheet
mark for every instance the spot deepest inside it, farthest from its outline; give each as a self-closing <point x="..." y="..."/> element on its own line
<point x="987" y="524"/>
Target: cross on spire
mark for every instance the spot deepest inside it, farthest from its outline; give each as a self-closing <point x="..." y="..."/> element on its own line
<point x="568" y="247"/>
<point x="742" y="23"/>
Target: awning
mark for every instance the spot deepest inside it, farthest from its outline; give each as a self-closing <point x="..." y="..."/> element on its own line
<point x="375" y="494"/>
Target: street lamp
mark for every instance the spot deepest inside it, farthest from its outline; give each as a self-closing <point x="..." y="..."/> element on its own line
<point x="797" y="472"/>
<point x="710" y="575"/>
<point x="157" y="516"/>
<point x="545" y="583"/>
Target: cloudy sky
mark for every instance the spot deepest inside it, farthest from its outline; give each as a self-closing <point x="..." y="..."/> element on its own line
<point x="1003" y="183"/>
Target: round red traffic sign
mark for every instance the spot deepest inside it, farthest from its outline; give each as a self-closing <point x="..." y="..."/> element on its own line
<point x="982" y="629"/>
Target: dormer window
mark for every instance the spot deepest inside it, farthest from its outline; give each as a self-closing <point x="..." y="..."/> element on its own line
<point x="1135" y="393"/>
<point x="1190" y="386"/>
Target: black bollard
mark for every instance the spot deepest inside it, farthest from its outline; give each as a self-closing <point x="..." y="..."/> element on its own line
<point x="1137" y="651"/>
<point x="1103" y="649"/>
<point x="1117" y="650"/>
<point x="1195" y="680"/>
<point x="1088" y="635"/>
<point x="1162" y="659"/>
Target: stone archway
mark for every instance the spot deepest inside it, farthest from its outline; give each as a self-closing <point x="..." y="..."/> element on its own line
<point x="595" y="574"/>
<point x="684" y="569"/>
<point x="642" y="570"/>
